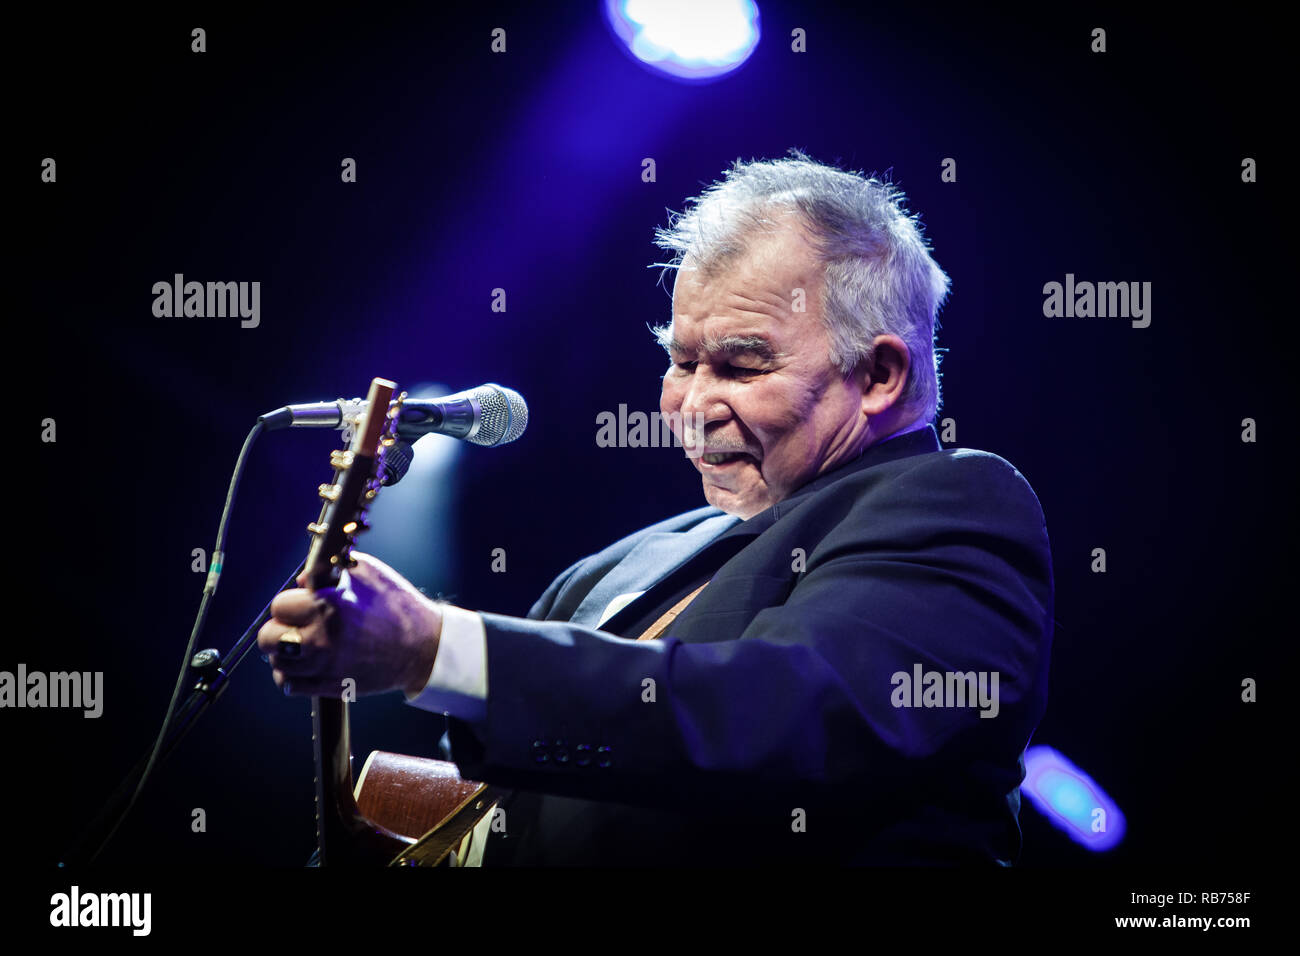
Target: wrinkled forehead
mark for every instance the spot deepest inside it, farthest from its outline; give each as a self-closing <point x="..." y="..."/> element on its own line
<point x="772" y="287"/>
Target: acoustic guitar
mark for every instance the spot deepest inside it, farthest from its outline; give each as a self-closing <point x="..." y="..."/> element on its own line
<point x="405" y="811"/>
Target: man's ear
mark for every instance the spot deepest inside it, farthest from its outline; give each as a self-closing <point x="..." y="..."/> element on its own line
<point x="883" y="376"/>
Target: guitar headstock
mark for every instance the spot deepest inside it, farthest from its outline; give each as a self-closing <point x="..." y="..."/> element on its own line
<point x="355" y="486"/>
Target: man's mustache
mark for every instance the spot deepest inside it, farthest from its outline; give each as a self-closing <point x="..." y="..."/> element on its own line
<point x="697" y="445"/>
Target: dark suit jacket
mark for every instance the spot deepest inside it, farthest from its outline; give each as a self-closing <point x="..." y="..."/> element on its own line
<point x="775" y="732"/>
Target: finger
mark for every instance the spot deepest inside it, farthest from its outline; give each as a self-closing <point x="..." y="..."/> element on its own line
<point x="269" y="634"/>
<point x="368" y="570"/>
<point x="293" y="686"/>
<point x="367" y="560"/>
<point x="308" y="686"/>
<point x="297" y="607"/>
<point x="297" y="668"/>
<point x="310" y="657"/>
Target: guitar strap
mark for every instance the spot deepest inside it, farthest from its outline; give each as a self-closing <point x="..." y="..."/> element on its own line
<point x="661" y="625"/>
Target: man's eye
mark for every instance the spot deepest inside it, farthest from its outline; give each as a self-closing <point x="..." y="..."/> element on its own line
<point x="728" y="369"/>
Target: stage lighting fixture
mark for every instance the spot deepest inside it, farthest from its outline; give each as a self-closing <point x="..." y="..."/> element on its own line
<point x="1071" y="800"/>
<point x="693" y="40"/>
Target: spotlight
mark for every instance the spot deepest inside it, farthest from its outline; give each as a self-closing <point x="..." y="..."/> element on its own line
<point x="1071" y="800"/>
<point x="688" y="39"/>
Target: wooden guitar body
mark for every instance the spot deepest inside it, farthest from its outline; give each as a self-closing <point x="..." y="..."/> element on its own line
<point x="421" y="800"/>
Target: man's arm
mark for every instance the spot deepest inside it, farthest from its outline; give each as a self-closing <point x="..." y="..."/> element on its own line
<point x="946" y="570"/>
<point x="458" y="681"/>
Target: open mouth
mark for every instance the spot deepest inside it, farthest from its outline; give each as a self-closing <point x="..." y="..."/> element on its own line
<point x="718" y="459"/>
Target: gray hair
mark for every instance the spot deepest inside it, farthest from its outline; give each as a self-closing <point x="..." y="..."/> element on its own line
<point x="879" y="276"/>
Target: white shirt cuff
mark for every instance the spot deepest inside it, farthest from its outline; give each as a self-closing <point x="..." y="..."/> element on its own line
<point x="458" y="683"/>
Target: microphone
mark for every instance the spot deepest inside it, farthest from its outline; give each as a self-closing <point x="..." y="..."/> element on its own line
<point x="489" y="415"/>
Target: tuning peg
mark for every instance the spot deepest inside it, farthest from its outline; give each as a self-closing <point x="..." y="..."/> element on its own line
<point x="315" y="528"/>
<point x="341" y="460"/>
<point x="330" y="492"/>
<point x="355" y="527"/>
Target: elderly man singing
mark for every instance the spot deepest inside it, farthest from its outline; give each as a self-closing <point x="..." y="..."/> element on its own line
<point x="840" y="660"/>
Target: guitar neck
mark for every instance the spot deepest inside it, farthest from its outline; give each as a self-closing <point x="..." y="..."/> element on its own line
<point x="343" y="836"/>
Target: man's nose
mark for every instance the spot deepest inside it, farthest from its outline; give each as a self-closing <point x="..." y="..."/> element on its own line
<point x="705" y="398"/>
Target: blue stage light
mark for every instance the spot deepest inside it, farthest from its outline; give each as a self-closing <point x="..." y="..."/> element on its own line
<point x="1071" y="800"/>
<point x="687" y="39"/>
<point x="421" y="509"/>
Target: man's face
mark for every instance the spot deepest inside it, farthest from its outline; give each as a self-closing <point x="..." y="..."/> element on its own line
<point x="758" y="375"/>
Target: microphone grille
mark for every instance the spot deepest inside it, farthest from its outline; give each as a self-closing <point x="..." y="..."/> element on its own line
<point x="503" y="418"/>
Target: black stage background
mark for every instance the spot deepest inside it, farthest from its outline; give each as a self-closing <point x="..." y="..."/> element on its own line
<point x="523" y="171"/>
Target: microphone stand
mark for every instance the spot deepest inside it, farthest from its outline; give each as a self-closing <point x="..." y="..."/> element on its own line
<point x="213" y="673"/>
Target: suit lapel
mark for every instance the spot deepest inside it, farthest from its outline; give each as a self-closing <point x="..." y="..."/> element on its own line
<point x="697" y="566"/>
<point x="650" y="560"/>
<point x="698" y="563"/>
